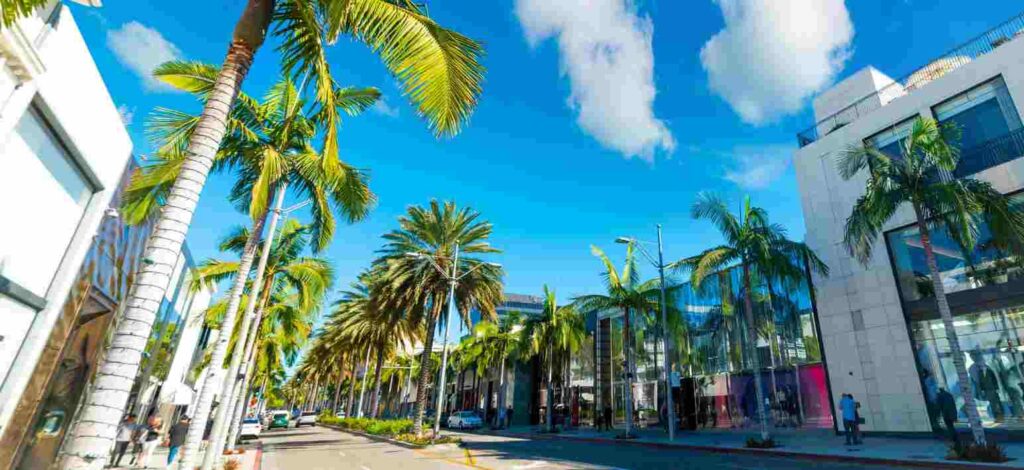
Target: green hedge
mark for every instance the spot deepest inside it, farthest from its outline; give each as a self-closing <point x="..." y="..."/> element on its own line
<point x="377" y="427"/>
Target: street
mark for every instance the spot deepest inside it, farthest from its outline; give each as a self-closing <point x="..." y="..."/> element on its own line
<point x="318" y="448"/>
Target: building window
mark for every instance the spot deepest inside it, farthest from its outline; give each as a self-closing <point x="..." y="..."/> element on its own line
<point x="890" y="140"/>
<point x="45" y="190"/>
<point x="988" y="124"/>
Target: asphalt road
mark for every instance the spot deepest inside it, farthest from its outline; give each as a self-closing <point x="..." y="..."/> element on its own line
<point x="319" y="448"/>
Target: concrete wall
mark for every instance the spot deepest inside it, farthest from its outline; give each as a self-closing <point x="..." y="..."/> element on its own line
<point x="46" y="65"/>
<point x="863" y="327"/>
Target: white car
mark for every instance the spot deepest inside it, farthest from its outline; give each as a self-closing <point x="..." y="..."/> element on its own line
<point x="308" y="418"/>
<point x="465" y="420"/>
<point x="251" y="429"/>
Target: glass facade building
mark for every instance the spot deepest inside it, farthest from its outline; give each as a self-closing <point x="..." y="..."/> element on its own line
<point x="712" y="354"/>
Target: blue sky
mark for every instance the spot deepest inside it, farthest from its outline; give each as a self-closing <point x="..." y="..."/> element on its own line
<point x="568" y="148"/>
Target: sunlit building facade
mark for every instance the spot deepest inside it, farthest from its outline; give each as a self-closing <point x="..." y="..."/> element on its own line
<point x="880" y="326"/>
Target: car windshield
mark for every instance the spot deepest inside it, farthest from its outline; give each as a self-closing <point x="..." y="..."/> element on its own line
<point x="251" y="421"/>
<point x="281" y="416"/>
<point x="309" y="413"/>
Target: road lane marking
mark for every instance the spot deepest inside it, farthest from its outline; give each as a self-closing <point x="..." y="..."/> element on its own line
<point x="534" y="464"/>
<point x="341" y="453"/>
<point x="364" y="467"/>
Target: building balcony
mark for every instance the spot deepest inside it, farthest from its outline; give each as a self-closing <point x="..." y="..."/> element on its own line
<point x="888" y="90"/>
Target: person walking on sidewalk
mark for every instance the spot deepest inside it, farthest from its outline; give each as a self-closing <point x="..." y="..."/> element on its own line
<point x="848" y="407"/>
<point x="607" y="415"/>
<point x="125" y="432"/>
<point x="947" y="408"/>
<point x="151" y="439"/>
<point x="176" y="438"/>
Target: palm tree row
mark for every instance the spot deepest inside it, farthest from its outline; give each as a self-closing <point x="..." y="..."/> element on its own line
<point x="439" y="72"/>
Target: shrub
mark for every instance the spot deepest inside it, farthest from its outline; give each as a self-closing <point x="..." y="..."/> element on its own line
<point x="411" y="438"/>
<point x="377" y="427"/>
<point x="757" y="443"/>
<point x="974" y="452"/>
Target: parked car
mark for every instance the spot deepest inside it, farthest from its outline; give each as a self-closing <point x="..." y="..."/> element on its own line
<point x="465" y="420"/>
<point x="308" y="418"/>
<point x="251" y="429"/>
<point x="278" y="420"/>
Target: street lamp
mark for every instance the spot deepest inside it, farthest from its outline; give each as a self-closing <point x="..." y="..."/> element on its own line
<point x="453" y="279"/>
<point x="660" y="264"/>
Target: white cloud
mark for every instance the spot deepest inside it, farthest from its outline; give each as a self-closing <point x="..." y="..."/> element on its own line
<point x="774" y="54"/>
<point x="142" y="49"/>
<point x="384" y="109"/>
<point x="606" y="51"/>
<point x="127" y="114"/>
<point x="756" y="168"/>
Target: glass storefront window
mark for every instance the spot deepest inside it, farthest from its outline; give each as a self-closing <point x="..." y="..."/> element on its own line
<point x="959" y="269"/>
<point x="991" y="344"/>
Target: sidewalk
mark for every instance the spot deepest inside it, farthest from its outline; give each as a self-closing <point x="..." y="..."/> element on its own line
<point x="810" y="444"/>
<point x="250" y="460"/>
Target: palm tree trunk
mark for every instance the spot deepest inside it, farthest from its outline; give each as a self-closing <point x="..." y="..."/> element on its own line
<point x="362" y="384"/>
<point x="501" y="388"/>
<point x="973" y="418"/>
<point x="549" y="415"/>
<point x="227" y="394"/>
<point x="755" y="358"/>
<point x="389" y="408"/>
<point x="92" y="437"/>
<point x="223" y="423"/>
<point x="337" y="392"/>
<point x="421" y="383"/>
<point x="350" y="405"/>
<point x="627" y="347"/>
<point x="376" y="386"/>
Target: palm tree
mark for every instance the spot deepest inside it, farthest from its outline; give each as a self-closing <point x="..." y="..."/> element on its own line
<point x="630" y="296"/>
<point x="385" y="330"/>
<point x="919" y="178"/>
<point x="555" y="335"/>
<point x="763" y="252"/>
<point x="417" y="284"/>
<point x="439" y="71"/>
<point x="270" y="147"/>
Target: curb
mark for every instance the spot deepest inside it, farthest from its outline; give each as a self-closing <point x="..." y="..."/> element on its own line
<point x="768" y="452"/>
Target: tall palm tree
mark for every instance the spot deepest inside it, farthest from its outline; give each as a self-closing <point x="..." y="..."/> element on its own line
<point x="555" y="335"/>
<point x="385" y="330"/>
<point x="919" y="178"/>
<point x="416" y="283"/>
<point x="626" y="293"/>
<point x="438" y="68"/>
<point x="762" y="251"/>
<point x="270" y="147"/>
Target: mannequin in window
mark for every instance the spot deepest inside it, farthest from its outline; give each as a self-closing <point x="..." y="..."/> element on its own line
<point x="986" y="384"/>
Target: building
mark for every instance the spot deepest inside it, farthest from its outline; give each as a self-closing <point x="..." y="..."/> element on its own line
<point x="67" y="260"/>
<point x="712" y="354"/>
<point x="880" y="328"/>
<point x="64" y="150"/>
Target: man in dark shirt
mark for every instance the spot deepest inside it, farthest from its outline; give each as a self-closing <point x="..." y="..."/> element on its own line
<point x="176" y="438"/>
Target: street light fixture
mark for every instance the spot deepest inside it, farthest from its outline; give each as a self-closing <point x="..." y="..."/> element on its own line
<point x="453" y="279"/>
<point x="660" y="264"/>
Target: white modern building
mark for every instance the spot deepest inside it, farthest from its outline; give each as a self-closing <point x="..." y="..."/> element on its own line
<point x="882" y="337"/>
<point x="63" y="149"/>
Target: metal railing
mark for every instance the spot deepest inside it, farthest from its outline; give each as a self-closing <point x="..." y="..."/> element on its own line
<point x="994" y="152"/>
<point x="961" y="55"/>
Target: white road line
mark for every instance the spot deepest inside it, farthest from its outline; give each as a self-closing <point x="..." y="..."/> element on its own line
<point x="534" y="464"/>
<point x="364" y="467"/>
<point x="341" y="453"/>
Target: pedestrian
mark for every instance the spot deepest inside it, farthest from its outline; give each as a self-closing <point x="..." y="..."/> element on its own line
<point x="150" y="441"/>
<point x="206" y="434"/>
<point x="125" y="433"/>
<point x="508" y="416"/>
<point x="607" y="417"/>
<point x="947" y="408"/>
<point x="176" y="438"/>
<point x="849" y="411"/>
<point x="857" y="421"/>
